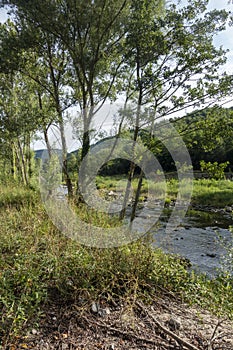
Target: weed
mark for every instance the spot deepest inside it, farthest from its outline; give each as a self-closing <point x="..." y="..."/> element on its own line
<point x="36" y="259"/>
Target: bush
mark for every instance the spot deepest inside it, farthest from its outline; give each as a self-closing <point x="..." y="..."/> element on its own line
<point x="214" y="170"/>
<point x="36" y="261"/>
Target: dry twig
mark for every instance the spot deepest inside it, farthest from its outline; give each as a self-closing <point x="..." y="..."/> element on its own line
<point x="174" y="336"/>
<point x="126" y="334"/>
<point x="214" y="336"/>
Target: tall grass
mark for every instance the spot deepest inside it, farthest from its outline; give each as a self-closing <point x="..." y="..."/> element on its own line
<point x="38" y="262"/>
<point x="217" y="193"/>
<point x="15" y="195"/>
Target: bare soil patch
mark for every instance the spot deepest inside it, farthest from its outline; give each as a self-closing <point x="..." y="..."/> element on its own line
<point x="165" y="324"/>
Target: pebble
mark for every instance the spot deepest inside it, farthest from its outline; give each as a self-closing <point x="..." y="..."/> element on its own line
<point x="211" y="255"/>
<point x="95" y="307"/>
<point x="173" y="324"/>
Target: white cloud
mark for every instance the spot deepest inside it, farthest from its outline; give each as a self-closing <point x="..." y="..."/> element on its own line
<point x="3" y="15"/>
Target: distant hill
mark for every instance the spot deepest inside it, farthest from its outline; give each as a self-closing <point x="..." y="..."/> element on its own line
<point x="44" y="154"/>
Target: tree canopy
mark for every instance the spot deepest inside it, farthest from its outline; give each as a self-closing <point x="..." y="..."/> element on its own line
<point x="85" y="54"/>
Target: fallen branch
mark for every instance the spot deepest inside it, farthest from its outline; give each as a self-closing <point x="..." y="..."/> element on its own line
<point x="174" y="336"/>
<point x="216" y="336"/>
<point x="126" y="334"/>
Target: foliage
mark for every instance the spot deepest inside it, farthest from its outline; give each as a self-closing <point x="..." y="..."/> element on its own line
<point x="161" y="58"/>
<point x="50" y="174"/>
<point x="207" y="134"/>
<point x="214" y="170"/>
<point x="37" y="262"/>
<point x="216" y="193"/>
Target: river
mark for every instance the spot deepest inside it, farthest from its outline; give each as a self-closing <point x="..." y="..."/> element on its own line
<point x="202" y="238"/>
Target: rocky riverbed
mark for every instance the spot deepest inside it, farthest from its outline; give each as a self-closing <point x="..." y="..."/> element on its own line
<point x="203" y="238"/>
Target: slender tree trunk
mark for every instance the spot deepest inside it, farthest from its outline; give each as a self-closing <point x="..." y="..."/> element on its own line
<point x="131" y="170"/>
<point x="139" y="187"/>
<point x="29" y="156"/>
<point x="137" y="195"/>
<point x="13" y="163"/>
<point x="45" y="132"/>
<point x="24" y="164"/>
<point x="136" y="132"/>
<point x="20" y="162"/>
<point x="64" y="159"/>
<point x="56" y="96"/>
<point x="87" y="117"/>
<point x="115" y="142"/>
<point x="45" y="128"/>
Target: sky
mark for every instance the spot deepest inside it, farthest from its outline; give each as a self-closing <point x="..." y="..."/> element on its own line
<point x="224" y="39"/>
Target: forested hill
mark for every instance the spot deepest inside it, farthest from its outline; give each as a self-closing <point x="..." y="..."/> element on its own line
<point x="206" y="133"/>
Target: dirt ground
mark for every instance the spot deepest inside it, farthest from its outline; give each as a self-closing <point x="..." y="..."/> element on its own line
<point x="165" y="324"/>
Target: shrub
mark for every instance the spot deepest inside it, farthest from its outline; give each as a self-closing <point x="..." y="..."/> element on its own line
<point x="214" y="170"/>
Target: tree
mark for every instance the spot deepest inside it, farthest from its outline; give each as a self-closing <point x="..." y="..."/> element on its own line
<point x="43" y="59"/>
<point x="207" y="134"/>
<point x="18" y="122"/>
<point x="92" y="32"/>
<point x="180" y="67"/>
<point x="163" y="61"/>
<point x="214" y="170"/>
<point x="140" y="50"/>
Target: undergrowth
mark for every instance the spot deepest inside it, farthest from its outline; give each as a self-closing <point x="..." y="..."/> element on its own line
<point x="208" y="192"/>
<point x="217" y="193"/>
<point x="36" y="261"/>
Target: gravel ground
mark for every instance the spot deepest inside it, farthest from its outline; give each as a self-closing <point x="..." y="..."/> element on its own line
<point x="165" y="324"/>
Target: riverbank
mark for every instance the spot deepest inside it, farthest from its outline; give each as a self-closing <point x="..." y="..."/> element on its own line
<point x="215" y="194"/>
<point x="42" y="271"/>
<point x="166" y="323"/>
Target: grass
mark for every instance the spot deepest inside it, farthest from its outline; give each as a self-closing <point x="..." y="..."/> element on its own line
<point x="37" y="261"/>
<point x="217" y="193"/>
<point x="118" y="183"/>
<point x="12" y="195"/>
<point x="207" y="192"/>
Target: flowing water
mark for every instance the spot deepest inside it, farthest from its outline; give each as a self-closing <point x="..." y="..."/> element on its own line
<point x="202" y="238"/>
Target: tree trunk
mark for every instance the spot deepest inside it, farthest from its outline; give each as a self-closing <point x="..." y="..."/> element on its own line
<point x="13" y="163"/>
<point x="139" y="187"/>
<point x="132" y="167"/>
<point x="86" y="144"/>
<point x="136" y="132"/>
<point x="21" y="162"/>
<point x="137" y="195"/>
<point x="29" y="156"/>
<point x="45" y="132"/>
<point x="64" y="159"/>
